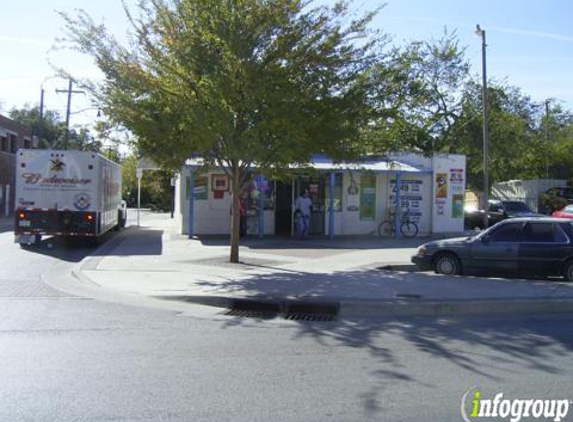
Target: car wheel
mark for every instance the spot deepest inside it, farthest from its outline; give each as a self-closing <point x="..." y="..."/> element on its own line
<point x="568" y="271"/>
<point x="448" y="264"/>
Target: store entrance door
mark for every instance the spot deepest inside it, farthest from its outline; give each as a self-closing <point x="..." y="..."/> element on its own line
<point x="316" y="189"/>
<point x="283" y="210"/>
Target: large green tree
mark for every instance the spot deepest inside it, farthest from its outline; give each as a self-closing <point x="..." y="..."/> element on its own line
<point x="53" y="128"/>
<point x="243" y="83"/>
<point x="416" y="95"/>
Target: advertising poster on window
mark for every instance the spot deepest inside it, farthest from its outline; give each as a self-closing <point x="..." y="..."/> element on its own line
<point x="440" y="206"/>
<point x="457" y="181"/>
<point x="352" y="199"/>
<point x="200" y="188"/>
<point x="441" y="185"/>
<point x="458" y="205"/>
<point x="368" y="197"/>
<point x="411" y="197"/>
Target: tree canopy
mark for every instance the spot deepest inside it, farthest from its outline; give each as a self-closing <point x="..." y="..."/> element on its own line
<point x="241" y="83"/>
<point x="261" y="84"/>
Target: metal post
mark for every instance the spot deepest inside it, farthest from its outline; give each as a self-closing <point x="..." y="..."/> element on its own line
<point x="191" y="231"/>
<point x="138" y="198"/>
<point x="398" y="219"/>
<point x="331" y="209"/>
<point x="7" y="202"/>
<point x="261" y="208"/>
<point x="481" y="33"/>
<point x="292" y="206"/>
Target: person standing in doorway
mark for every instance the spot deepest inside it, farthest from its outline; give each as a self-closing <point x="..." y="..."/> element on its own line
<point x="303" y="205"/>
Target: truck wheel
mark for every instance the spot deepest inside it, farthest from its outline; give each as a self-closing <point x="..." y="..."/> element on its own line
<point x="447" y="264"/>
<point x="120" y="223"/>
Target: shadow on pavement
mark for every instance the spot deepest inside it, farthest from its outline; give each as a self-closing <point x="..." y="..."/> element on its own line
<point x="318" y="242"/>
<point x="134" y="242"/>
<point x="508" y="341"/>
<point x="70" y="249"/>
<point x="522" y="344"/>
<point x="505" y="344"/>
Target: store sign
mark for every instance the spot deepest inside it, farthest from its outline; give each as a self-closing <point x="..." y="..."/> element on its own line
<point x="411" y="197"/>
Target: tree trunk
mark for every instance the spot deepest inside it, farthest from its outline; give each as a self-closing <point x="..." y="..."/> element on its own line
<point x="236" y="212"/>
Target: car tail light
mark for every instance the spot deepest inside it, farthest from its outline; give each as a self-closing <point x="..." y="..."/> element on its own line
<point x="21" y="215"/>
<point x="89" y="217"/>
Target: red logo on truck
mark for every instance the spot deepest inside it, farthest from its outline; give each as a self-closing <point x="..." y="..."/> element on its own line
<point x="35" y="178"/>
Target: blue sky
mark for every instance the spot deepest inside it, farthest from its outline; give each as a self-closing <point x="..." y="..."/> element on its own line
<point x="530" y="43"/>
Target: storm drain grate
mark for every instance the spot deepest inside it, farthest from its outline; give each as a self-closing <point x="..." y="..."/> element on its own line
<point x="311" y="311"/>
<point x="409" y="296"/>
<point x="294" y="311"/>
<point x="250" y="314"/>
<point x="253" y="309"/>
<point x="310" y="317"/>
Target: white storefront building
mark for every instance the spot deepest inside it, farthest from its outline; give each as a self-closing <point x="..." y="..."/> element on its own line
<point x="363" y="193"/>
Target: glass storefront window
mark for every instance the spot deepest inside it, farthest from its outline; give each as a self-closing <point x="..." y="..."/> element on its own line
<point x="268" y="189"/>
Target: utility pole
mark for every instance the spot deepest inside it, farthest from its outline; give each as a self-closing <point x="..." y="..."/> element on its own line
<point x="547" y="137"/>
<point x="41" y="117"/>
<point x="480" y="32"/>
<point x="69" y="91"/>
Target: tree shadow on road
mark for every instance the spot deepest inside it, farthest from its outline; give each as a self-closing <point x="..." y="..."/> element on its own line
<point x="504" y="344"/>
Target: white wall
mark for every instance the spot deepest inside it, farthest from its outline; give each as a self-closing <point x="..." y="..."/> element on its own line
<point x="212" y="216"/>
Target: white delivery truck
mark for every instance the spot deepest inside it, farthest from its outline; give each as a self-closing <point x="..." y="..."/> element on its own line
<point x="66" y="193"/>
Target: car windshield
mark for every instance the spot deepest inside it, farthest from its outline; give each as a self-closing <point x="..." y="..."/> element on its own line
<point x="516" y="206"/>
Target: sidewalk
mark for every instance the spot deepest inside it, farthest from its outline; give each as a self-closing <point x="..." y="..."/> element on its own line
<point x="154" y="261"/>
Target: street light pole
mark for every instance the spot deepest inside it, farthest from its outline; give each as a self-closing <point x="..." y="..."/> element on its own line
<point x="547" y="138"/>
<point x="480" y="32"/>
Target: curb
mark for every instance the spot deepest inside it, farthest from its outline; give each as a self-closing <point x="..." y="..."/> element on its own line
<point x="388" y="308"/>
<point x="457" y="307"/>
<point x="346" y="307"/>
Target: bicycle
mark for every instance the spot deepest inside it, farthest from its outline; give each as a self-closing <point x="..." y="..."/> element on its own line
<point x="408" y="228"/>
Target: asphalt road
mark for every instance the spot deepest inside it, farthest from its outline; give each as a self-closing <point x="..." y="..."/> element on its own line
<point x="67" y="358"/>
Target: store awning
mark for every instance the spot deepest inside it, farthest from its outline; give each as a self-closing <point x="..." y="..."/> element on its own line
<point x="323" y="163"/>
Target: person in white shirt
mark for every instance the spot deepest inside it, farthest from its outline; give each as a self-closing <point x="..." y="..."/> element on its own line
<point x="303" y="205"/>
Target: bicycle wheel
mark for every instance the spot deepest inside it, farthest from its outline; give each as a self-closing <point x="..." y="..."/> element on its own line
<point x="409" y="229"/>
<point x="386" y="229"/>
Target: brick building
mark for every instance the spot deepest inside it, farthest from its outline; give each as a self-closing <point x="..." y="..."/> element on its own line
<point x="13" y="136"/>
